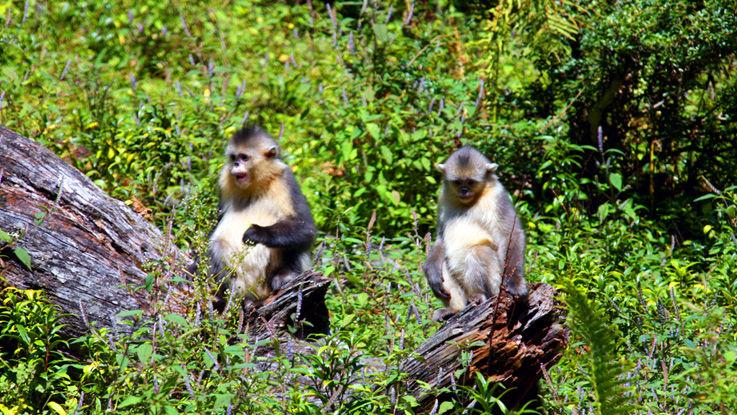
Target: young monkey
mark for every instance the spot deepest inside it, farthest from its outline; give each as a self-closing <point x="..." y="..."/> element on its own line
<point x="265" y="232"/>
<point x="480" y="239"/>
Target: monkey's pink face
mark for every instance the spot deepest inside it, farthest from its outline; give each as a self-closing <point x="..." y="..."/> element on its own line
<point x="466" y="189"/>
<point x="239" y="164"/>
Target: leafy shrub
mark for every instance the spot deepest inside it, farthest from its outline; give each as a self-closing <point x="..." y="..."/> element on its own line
<point x="640" y="71"/>
<point x="34" y="368"/>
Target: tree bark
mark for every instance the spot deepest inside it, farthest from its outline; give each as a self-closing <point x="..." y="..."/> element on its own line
<point x="509" y="342"/>
<point x="87" y="249"/>
<point x="298" y="308"/>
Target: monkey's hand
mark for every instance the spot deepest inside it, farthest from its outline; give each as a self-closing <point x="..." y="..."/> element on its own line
<point x="442" y="314"/>
<point x="435" y="279"/>
<point x="256" y="234"/>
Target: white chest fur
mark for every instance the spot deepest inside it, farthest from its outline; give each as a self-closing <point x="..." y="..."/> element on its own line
<point x="250" y="264"/>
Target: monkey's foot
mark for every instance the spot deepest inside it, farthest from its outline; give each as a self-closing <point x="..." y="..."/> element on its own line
<point x="477" y="299"/>
<point x="442" y="314"/>
<point x="518" y="289"/>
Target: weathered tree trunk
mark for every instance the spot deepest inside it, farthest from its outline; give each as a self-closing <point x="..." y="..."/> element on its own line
<point x="88" y="250"/>
<point x="507" y="341"/>
<point x="88" y="253"/>
<point x="299" y="307"/>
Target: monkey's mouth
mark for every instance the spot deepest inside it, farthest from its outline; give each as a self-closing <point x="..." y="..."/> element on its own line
<point x="241" y="178"/>
<point x="466" y="197"/>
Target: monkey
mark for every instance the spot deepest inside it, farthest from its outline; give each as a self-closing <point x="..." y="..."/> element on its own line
<point x="480" y="240"/>
<point x="263" y="238"/>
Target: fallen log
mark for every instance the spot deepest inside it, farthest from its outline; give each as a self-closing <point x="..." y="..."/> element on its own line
<point x="87" y="250"/>
<point x="509" y="342"/>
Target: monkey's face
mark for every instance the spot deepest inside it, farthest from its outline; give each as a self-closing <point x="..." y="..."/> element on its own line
<point x="240" y="164"/>
<point x="251" y="165"/>
<point x="466" y="189"/>
<point x="466" y="174"/>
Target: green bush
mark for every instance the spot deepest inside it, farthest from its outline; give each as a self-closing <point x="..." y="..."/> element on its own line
<point x="655" y="81"/>
<point x="35" y="366"/>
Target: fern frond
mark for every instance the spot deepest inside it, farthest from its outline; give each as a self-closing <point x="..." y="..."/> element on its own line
<point x="607" y="370"/>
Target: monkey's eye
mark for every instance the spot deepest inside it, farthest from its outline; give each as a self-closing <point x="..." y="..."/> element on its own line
<point x="244" y="157"/>
<point x="232" y="157"/>
<point x="457" y="182"/>
<point x="471" y="182"/>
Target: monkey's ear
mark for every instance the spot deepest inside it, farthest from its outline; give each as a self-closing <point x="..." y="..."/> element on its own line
<point x="440" y="167"/>
<point x="491" y="167"/>
<point x="271" y="152"/>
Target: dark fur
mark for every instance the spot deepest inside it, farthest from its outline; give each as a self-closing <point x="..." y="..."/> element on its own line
<point x="433" y="270"/>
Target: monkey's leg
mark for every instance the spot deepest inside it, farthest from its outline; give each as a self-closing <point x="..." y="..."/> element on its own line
<point x="514" y="269"/>
<point x="458" y="299"/>
<point x="516" y="284"/>
<point x="457" y="296"/>
<point x="250" y="273"/>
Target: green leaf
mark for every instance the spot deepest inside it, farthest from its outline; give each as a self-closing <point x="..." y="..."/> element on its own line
<point x="124" y="314"/>
<point x="705" y="197"/>
<point x="604" y="211"/>
<point x="144" y="352"/>
<point x="381" y="32"/>
<point x="387" y="154"/>
<point x="222" y="400"/>
<point x="616" y="180"/>
<point x="411" y="400"/>
<point x="23" y="256"/>
<point x="347" y="150"/>
<point x="23" y="334"/>
<point x="177" y="319"/>
<point x="5" y="237"/>
<point x="57" y="408"/>
<point x="236" y="350"/>
<point x="149" y="282"/>
<point x="131" y="400"/>
<point x="373" y="130"/>
<point x="445" y="407"/>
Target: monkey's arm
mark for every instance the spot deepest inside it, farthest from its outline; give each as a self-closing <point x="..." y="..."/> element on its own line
<point x="288" y="233"/>
<point x="297" y="231"/>
<point x="433" y="268"/>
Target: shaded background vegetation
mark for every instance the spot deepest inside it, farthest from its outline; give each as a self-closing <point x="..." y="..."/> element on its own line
<point x="613" y="124"/>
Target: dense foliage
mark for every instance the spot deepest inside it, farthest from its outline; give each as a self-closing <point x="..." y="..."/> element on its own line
<point x="613" y="123"/>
